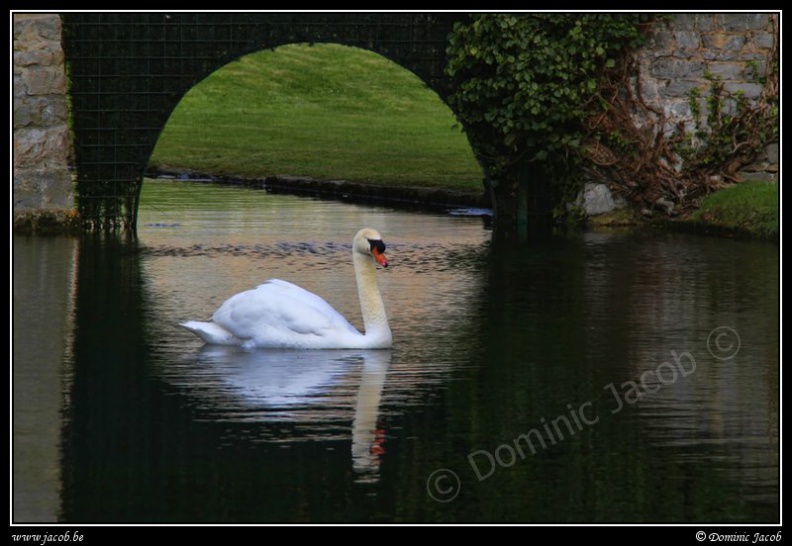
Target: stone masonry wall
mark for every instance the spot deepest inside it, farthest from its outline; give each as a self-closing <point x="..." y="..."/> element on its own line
<point x="686" y="47"/>
<point x="42" y="146"/>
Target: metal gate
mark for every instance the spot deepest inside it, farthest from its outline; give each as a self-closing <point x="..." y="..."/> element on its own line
<point x="128" y="71"/>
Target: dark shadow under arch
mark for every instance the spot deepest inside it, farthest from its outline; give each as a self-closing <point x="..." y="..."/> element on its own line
<point x="128" y="71"/>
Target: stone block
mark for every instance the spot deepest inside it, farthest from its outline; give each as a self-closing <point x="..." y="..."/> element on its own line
<point x="34" y="28"/>
<point x="685" y="21"/>
<point x="761" y="40"/>
<point x="597" y="199"/>
<point x="669" y="68"/>
<point x="771" y="152"/>
<point x="660" y="42"/>
<point x="37" y="147"/>
<point x="759" y="176"/>
<point x="740" y="22"/>
<point x="687" y="40"/>
<point x="717" y="46"/>
<point x="43" y="188"/>
<point x="750" y="90"/>
<point x="49" y="111"/>
<point x="45" y="80"/>
<point x="701" y="22"/>
<point x="50" y="56"/>
<point x="727" y="70"/>
<point x="680" y="88"/>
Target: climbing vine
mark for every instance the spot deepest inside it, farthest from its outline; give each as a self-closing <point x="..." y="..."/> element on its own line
<point x="524" y="83"/>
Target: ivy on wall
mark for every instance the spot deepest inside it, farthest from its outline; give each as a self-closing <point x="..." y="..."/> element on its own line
<point x="561" y="92"/>
<point x="524" y="84"/>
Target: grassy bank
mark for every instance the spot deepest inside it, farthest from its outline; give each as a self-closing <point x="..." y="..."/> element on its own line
<point x="750" y="208"/>
<point x="325" y="111"/>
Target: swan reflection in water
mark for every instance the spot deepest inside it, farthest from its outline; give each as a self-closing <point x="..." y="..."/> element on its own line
<point x="319" y="391"/>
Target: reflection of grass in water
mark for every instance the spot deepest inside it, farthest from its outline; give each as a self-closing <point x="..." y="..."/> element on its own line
<point x="750" y="206"/>
<point x="325" y="111"/>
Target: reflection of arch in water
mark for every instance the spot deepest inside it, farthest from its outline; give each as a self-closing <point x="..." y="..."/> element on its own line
<point x="315" y="389"/>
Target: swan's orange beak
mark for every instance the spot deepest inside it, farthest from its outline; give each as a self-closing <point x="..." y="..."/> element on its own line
<point x="380" y="257"/>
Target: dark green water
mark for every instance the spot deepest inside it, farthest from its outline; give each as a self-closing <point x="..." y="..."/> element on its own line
<point x="618" y="377"/>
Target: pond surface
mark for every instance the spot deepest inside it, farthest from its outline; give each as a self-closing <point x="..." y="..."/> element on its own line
<point x="597" y="377"/>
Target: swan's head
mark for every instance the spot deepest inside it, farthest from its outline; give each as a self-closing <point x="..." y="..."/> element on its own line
<point x="369" y="243"/>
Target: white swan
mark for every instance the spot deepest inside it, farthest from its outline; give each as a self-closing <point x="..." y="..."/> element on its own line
<point x="279" y="314"/>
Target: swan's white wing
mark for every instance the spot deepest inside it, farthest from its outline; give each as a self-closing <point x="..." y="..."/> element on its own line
<point x="279" y="309"/>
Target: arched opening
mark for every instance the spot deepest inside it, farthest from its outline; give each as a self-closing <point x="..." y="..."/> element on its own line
<point x="123" y="97"/>
<point x="324" y="112"/>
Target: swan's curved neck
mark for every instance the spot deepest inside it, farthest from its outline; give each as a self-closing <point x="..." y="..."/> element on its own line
<point x="375" y="320"/>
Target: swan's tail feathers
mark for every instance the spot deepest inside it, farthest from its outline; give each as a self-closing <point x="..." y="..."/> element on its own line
<point x="210" y="332"/>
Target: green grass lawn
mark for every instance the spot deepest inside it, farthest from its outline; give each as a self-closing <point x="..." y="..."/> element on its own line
<point x="751" y="207"/>
<point x="324" y="111"/>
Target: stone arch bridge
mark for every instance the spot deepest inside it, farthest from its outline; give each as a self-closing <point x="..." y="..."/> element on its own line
<point x="128" y="71"/>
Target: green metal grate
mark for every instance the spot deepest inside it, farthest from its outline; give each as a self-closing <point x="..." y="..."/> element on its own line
<point x="129" y="70"/>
